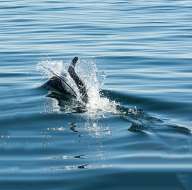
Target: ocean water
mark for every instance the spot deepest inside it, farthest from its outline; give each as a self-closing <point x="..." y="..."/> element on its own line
<point x="135" y="58"/>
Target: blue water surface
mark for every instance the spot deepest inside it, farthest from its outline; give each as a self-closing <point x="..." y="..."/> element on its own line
<point x="144" y="48"/>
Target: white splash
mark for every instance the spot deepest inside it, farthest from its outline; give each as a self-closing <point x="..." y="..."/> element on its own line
<point x="93" y="79"/>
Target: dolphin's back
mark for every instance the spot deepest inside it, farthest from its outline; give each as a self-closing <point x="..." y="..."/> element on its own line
<point x="59" y="85"/>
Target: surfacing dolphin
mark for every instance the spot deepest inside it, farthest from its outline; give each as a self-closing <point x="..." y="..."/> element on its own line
<point x="59" y="85"/>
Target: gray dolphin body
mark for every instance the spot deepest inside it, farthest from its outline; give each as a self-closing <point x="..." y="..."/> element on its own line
<point x="59" y="84"/>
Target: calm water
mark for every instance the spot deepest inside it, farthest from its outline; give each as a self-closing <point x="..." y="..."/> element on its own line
<point x="145" y="50"/>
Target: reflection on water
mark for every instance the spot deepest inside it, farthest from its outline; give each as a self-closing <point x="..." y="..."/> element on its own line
<point x="90" y="129"/>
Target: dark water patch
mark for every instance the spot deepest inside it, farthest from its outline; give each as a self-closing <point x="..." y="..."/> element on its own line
<point x="180" y="129"/>
<point x="99" y="182"/>
<point x="17" y="21"/>
<point x="147" y="103"/>
<point x="13" y="7"/>
<point x="136" y="127"/>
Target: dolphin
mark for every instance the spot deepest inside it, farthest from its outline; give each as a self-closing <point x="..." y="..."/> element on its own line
<point x="59" y="85"/>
